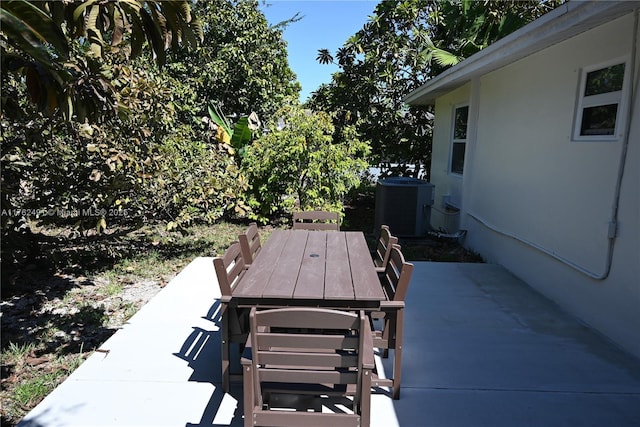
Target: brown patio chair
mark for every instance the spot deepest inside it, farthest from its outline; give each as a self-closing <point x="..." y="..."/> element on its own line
<point x="229" y="269"/>
<point x="383" y="249"/>
<point x="299" y="358"/>
<point x="395" y="283"/>
<point x="250" y="244"/>
<point x="316" y="220"/>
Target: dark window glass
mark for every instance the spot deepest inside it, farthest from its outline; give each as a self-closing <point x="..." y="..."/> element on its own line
<point x="457" y="157"/>
<point x="460" y="125"/>
<point x="605" y="80"/>
<point x="600" y="120"/>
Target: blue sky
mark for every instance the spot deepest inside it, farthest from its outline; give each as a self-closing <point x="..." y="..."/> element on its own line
<point x="326" y="25"/>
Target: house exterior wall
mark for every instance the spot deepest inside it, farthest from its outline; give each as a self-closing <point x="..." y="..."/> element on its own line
<point x="540" y="203"/>
<point x="448" y="187"/>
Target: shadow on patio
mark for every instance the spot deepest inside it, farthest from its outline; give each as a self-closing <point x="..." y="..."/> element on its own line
<point x="481" y="349"/>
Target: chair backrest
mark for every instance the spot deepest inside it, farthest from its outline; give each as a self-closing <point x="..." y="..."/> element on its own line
<point x="229" y="268"/>
<point x="383" y="248"/>
<point x="396" y="277"/>
<point x="316" y="220"/>
<point x="308" y="350"/>
<point x="250" y="243"/>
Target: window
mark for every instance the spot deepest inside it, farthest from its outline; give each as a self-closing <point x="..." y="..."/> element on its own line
<point x="459" y="139"/>
<point x="599" y="114"/>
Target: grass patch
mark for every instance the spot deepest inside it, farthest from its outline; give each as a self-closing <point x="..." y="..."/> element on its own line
<point x="16" y="352"/>
<point x="113" y="288"/>
<point x="29" y="378"/>
<point x="35" y="389"/>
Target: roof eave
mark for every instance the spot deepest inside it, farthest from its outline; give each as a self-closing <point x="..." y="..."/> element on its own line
<point x="562" y="23"/>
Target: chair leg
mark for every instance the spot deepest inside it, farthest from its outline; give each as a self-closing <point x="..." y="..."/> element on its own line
<point x="225" y="349"/>
<point x="365" y="399"/>
<point x="397" y="353"/>
<point x="248" y="401"/>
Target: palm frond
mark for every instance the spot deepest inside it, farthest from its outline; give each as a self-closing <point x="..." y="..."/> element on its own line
<point x="444" y="58"/>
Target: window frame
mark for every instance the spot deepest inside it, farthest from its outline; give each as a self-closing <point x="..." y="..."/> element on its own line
<point x="618" y="98"/>
<point x="455" y="140"/>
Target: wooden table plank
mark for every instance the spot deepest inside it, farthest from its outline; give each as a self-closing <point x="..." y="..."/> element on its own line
<point x="311" y="277"/>
<point x="338" y="284"/>
<point x="257" y="277"/>
<point x="365" y="279"/>
<point x="282" y="282"/>
<point x="285" y="272"/>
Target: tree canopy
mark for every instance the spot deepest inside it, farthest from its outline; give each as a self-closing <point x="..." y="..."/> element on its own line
<point x="138" y="143"/>
<point x="38" y="36"/>
<point x="242" y="62"/>
<point x="405" y="43"/>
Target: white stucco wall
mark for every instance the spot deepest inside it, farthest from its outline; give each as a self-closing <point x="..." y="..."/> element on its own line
<point x="446" y="184"/>
<point x="530" y="189"/>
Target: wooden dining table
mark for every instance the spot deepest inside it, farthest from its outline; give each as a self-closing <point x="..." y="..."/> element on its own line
<point x="311" y="268"/>
<point x="328" y="269"/>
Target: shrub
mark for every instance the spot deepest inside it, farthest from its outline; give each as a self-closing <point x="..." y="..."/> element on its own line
<point x="301" y="161"/>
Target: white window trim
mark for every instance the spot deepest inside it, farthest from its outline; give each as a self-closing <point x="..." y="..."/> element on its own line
<point x="453" y="140"/>
<point x="619" y="97"/>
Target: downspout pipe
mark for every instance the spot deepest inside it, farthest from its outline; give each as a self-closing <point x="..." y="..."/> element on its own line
<point x="625" y="147"/>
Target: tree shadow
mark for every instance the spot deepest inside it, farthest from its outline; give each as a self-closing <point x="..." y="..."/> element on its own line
<point x="73" y="253"/>
<point x="55" y="266"/>
<point x="25" y="321"/>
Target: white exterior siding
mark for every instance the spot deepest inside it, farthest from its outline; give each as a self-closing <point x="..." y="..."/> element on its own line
<point x="540" y="203"/>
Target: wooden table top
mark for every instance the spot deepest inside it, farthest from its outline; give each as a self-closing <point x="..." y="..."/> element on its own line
<point x="314" y="268"/>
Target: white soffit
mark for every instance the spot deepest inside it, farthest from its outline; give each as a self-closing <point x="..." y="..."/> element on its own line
<point x="562" y="23"/>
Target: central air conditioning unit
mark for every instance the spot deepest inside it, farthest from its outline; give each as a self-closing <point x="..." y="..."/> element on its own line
<point x="404" y="204"/>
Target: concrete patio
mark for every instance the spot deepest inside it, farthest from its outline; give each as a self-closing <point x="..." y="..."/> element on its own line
<point x="481" y="349"/>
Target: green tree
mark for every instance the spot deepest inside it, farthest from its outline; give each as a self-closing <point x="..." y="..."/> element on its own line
<point x="386" y="59"/>
<point x="241" y="66"/>
<point x="241" y="70"/>
<point x="405" y="43"/>
<point x="300" y="161"/>
<point x="466" y="27"/>
<point x="54" y="165"/>
<point x="159" y="158"/>
<point x="36" y="38"/>
<point x="198" y="181"/>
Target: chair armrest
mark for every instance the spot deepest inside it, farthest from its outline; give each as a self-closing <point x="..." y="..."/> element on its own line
<point x="391" y="305"/>
<point x="368" y="361"/>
